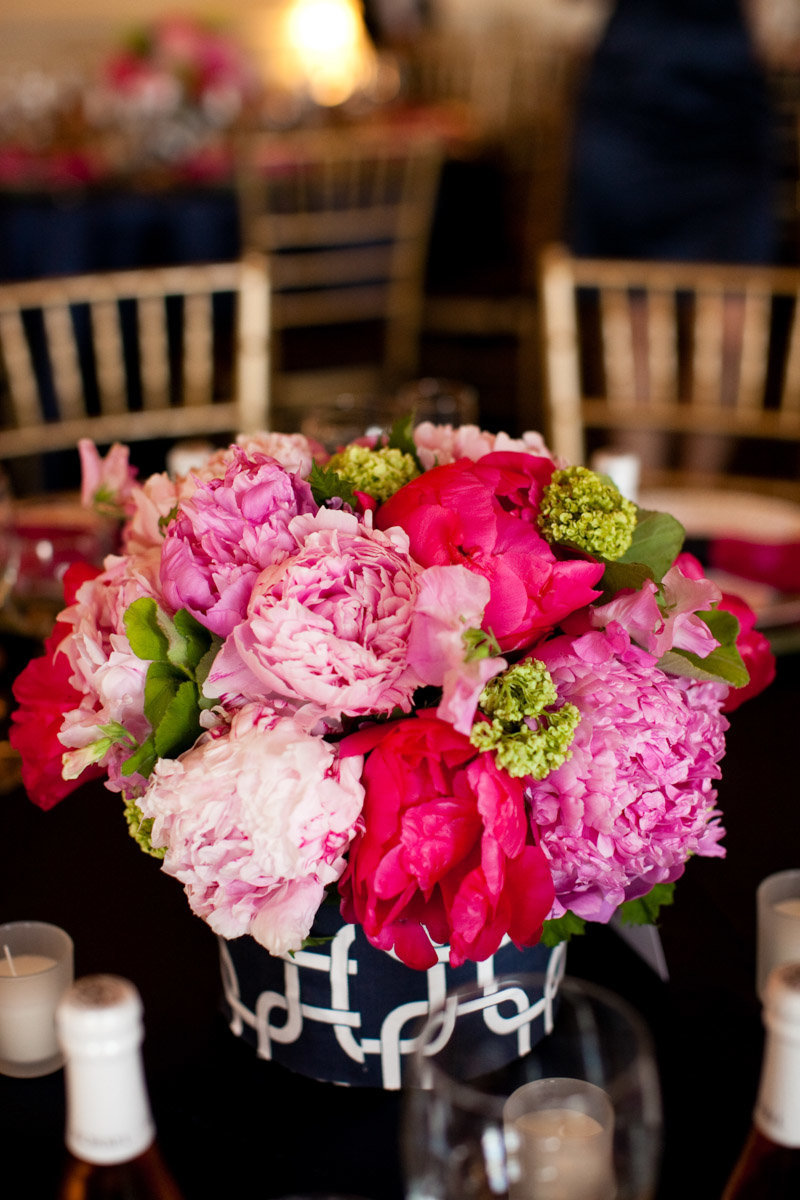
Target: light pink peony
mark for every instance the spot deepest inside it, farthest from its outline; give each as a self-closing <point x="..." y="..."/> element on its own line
<point x="636" y="798"/>
<point x="440" y="444"/>
<point x="329" y="626"/>
<point x="225" y="533"/>
<point x="256" y="819"/>
<point x="294" y="451"/>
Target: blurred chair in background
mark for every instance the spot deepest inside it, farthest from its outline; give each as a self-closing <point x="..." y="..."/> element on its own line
<point x="157" y="353"/>
<point x="677" y="350"/>
<point x="344" y="217"/>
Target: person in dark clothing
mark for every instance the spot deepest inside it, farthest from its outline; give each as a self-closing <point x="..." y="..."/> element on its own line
<point x="672" y="156"/>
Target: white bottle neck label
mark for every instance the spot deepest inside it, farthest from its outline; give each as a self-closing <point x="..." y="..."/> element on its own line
<point x="777" y="1111"/>
<point x="108" y="1110"/>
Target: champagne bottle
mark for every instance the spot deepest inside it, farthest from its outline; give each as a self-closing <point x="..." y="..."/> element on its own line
<point x="111" y="1146"/>
<point x="769" y="1165"/>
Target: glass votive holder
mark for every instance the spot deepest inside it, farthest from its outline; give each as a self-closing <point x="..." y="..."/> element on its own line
<point x="563" y="1130"/>
<point x="778" y="923"/>
<point x="36" y="968"/>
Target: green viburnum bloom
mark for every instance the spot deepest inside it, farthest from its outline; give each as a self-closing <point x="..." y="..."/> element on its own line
<point x="380" y="473"/>
<point x="528" y="736"/>
<point x="580" y="509"/>
<point x="140" y="828"/>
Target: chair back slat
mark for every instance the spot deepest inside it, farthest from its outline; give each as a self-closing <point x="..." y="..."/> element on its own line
<point x="702" y="358"/>
<point x="64" y="362"/>
<point x="345" y="221"/>
<point x="134" y="354"/>
<point x="109" y="355"/>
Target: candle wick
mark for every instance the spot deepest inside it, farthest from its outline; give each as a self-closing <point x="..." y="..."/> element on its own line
<point x="9" y="959"/>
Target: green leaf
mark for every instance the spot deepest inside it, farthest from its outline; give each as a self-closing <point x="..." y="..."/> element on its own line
<point x="620" y="574"/>
<point x="179" y="727"/>
<point x="160" y="685"/>
<point x="328" y="485"/>
<point x="657" y="540"/>
<point x="646" y="909"/>
<point x="142" y="760"/>
<point x="722" y="664"/>
<point x="144" y="632"/>
<point x="187" y="639"/>
<point x="561" y="929"/>
<point x="401" y="437"/>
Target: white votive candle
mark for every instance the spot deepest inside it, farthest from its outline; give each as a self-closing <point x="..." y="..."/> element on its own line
<point x="778" y="907"/>
<point x="36" y="968"/>
<point x="563" y="1129"/>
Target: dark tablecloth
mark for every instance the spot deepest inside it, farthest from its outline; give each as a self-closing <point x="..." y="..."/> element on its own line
<point x="226" y="1118"/>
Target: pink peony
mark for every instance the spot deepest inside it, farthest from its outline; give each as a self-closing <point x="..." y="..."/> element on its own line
<point x="636" y="797"/>
<point x="294" y="451"/>
<point x="483" y="515"/>
<point x="329" y="626"/>
<point x="444" y="853"/>
<point x="256" y="819"/>
<point x="225" y="533"/>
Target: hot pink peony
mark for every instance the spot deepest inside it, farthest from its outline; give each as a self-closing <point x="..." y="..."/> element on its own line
<point x="444" y="853"/>
<point x="329" y="626"/>
<point x="636" y="798"/>
<point x="225" y="533"/>
<point x="256" y="819"/>
<point x="483" y="515"/>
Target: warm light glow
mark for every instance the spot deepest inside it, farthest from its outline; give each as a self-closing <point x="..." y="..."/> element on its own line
<point x="328" y="44"/>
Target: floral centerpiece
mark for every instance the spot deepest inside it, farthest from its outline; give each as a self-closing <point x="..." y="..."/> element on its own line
<point x="463" y="691"/>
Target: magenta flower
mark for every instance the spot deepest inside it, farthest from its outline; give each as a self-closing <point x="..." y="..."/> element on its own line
<point x="636" y="797"/>
<point x="328" y="626"/>
<point x="256" y="819"/>
<point x="225" y="533"/>
<point x="444" y="853"/>
<point x="675" y="624"/>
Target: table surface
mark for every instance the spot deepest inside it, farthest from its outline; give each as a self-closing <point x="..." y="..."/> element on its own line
<point x="225" y="1117"/>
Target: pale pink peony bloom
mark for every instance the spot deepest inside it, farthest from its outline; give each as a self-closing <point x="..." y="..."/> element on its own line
<point x="106" y="482"/>
<point x="256" y="819"/>
<point x="294" y="451"/>
<point x="109" y="676"/>
<point x="675" y="624"/>
<point x="329" y="626"/>
<point x="225" y="533"/>
<point x="440" y="444"/>
<point x="151" y="505"/>
<point x="636" y="797"/>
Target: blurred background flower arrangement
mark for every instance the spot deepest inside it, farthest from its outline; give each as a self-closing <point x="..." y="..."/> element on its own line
<point x="463" y="691"/>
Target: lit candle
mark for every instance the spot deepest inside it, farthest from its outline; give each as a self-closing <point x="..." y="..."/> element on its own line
<point x="778" y="904"/>
<point x="563" y="1132"/>
<point x="35" y="971"/>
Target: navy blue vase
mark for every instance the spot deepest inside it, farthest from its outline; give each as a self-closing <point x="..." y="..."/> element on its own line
<point x="344" y="1012"/>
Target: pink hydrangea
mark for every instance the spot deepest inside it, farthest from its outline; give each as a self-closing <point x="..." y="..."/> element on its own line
<point x="225" y="533"/>
<point x="328" y="626"/>
<point x="440" y="444"/>
<point x="636" y="798"/>
<point x="256" y="819"/>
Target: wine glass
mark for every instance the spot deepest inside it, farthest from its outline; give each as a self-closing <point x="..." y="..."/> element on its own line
<point x="528" y="1091"/>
